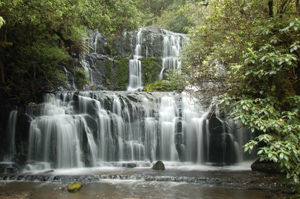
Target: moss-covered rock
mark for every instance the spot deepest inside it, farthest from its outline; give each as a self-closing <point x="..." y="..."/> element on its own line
<point x="108" y="71"/>
<point x="159" y="166"/>
<point x="110" y="46"/>
<point x="163" y="85"/>
<point x="116" y="74"/>
<point x="151" y="68"/>
<point x="74" y="187"/>
<point x="120" y="74"/>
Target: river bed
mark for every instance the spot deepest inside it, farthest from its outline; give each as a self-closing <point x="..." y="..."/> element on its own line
<point x="174" y="182"/>
<point x="114" y="189"/>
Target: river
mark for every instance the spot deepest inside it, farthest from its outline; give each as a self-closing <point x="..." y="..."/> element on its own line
<point x="175" y="182"/>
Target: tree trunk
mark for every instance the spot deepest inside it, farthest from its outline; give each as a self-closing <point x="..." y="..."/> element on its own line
<point x="270" y="4"/>
<point x="283" y="7"/>
<point x="297" y="6"/>
<point x="2" y="70"/>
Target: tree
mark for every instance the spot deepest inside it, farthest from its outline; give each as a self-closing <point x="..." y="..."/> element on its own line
<point x="40" y="40"/>
<point x="176" y="17"/>
<point x="247" y="53"/>
<point x="168" y="14"/>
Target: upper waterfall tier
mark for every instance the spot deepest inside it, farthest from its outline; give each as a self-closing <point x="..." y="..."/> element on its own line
<point x="132" y="60"/>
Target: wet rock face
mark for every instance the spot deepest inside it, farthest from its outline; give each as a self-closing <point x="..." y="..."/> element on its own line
<point x="9" y="168"/>
<point x="5" y="109"/>
<point x="129" y="165"/>
<point x="107" y="63"/>
<point x="159" y="166"/>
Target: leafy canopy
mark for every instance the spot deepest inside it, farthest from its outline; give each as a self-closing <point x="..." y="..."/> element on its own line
<point x="247" y="53"/>
<point x="39" y="40"/>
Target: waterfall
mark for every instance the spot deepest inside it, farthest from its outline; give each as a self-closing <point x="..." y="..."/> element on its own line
<point x="54" y="137"/>
<point x="115" y="63"/>
<point x="194" y="122"/>
<point x="172" y="44"/>
<point x="11" y="136"/>
<point x="96" y="128"/>
<point x="167" y="118"/>
<point x="135" y="65"/>
<point x="99" y="128"/>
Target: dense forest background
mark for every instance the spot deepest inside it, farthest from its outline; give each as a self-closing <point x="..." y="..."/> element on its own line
<point x="40" y="40"/>
<point x="245" y="52"/>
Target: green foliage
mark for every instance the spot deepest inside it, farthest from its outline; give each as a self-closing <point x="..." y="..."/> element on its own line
<point x="173" y="15"/>
<point x="175" y="20"/>
<point x="177" y="79"/>
<point x="121" y="74"/>
<point x="162" y="85"/>
<point x="247" y="53"/>
<point x="110" y="47"/>
<point x="174" y="82"/>
<point x="39" y="39"/>
<point x="108" y="71"/>
<point x="151" y="9"/>
<point x="2" y="22"/>
<point x="151" y="67"/>
<point x="80" y="77"/>
<point x="177" y="17"/>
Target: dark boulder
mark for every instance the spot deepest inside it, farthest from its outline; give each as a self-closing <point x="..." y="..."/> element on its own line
<point x="159" y="166"/>
<point x="130" y="165"/>
<point x="265" y="167"/>
<point x="9" y="167"/>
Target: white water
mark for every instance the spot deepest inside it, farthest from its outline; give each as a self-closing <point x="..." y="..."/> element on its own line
<point x="172" y="44"/>
<point x="135" y="65"/>
<point x="171" y="48"/>
<point x="144" y="40"/>
<point x="11" y="132"/>
<point x="91" y="129"/>
<point x="99" y="128"/>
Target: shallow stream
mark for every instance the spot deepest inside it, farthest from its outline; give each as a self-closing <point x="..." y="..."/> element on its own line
<point x="114" y="189"/>
<point x="116" y="182"/>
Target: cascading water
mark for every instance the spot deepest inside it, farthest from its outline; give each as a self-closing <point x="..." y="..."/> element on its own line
<point x="172" y="44"/>
<point x="93" y="43"/>
<point x="135" y="65"/>
<point x="115" y="63"/>
<point x="99" y="128"/>
<point x="11" y="133"/>
<point x="90" y="129"/>
<point x="194" y="128"/>
<point x="54" y="136"/>
<point x="167" y="120"/>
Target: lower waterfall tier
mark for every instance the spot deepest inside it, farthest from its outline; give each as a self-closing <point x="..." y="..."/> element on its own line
<point x="88" y="129"/>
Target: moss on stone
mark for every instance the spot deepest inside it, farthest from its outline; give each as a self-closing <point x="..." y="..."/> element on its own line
<point x="80" y="76"/>
<point x="120" y="77"/>
<point x="116" y="74"/>
<point x="151" y="68"/>
<point x="110" y="47"/>
<point x="162" y="85"/>
<point x="74" y="187"/>
<point x="159" y="166"/>
<point x="107" y="74"/>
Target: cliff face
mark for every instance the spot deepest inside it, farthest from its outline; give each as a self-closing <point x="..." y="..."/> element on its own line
<point x="107" y="65"/>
